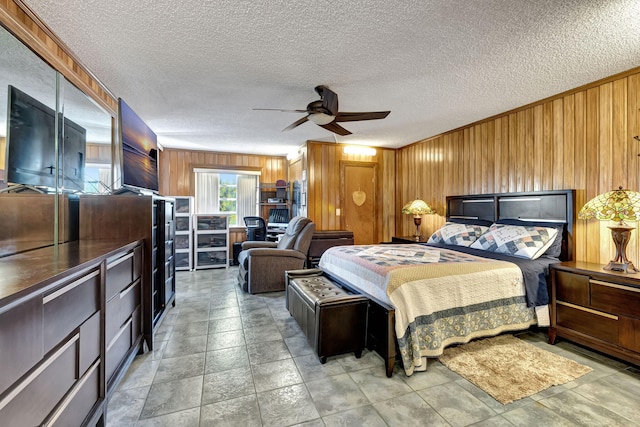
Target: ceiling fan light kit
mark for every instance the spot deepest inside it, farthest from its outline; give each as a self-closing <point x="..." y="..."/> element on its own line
<point x="321" y="118"/>
<point x="325" y="113"/>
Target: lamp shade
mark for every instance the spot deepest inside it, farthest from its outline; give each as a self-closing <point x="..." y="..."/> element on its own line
<point x="617" y="206"/>
<point x="417" y="207"/>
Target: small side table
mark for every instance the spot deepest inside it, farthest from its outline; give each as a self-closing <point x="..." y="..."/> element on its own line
<point x="596" y="308"/>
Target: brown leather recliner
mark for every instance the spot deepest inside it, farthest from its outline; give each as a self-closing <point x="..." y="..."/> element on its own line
<point x="262" y="264"/>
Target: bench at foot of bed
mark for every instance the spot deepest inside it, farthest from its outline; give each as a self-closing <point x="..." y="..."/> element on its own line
<point x="333" y="320"/>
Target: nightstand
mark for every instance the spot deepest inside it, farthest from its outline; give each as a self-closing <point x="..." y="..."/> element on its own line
<point x="596" y="308"/>
<point x="409" y="239"/>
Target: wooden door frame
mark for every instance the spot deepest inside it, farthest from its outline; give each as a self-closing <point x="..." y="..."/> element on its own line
<point x="373" y="165"/>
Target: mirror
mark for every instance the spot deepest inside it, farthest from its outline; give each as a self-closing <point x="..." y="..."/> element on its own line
<point x="33" y="93"/>
<point x="82" y="113"/>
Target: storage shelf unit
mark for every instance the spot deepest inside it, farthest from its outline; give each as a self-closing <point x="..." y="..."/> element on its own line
<point x="274" y="195"/>
<point x="211" y="241"/>
<point x="164" y="284"/>
<point x="184" y="234"/>
<point x="130" y="217"/>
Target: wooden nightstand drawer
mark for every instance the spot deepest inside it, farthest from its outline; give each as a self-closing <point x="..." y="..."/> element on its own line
<point x="630" y="333"/>
<point x="615" y="298"/>
<point x="596" y="308"/>
<point x="590" y="322"/>
<point x="573" y="288"/>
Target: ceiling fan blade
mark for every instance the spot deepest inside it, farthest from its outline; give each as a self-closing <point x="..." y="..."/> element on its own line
<point x="336" y="128"/>
<point x="329" y="99"/>
<point x="296" y="123"/>
<point x="354" y="117"/>
<point x="278" y="109"/>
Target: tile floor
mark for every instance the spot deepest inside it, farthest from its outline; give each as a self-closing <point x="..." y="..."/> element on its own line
<point x="225" y="358"/>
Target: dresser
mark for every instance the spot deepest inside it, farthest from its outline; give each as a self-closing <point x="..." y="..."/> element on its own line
<point x="70" y="326"/>
<point x="596" y="308"/>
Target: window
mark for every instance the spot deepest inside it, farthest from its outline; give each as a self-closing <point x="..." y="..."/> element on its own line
<point x="227" y="191"/>
<point x="97" y="178"/>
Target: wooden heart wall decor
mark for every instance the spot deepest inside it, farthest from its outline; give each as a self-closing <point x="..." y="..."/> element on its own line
<point x="359" y="197"/>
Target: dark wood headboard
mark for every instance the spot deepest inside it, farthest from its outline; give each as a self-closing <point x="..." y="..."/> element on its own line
<point x="554" y="206"/>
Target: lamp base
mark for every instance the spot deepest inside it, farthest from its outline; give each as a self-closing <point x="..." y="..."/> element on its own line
<point x="621" y="267"/>
<point x="621" y="233"/>
<point x="417" y="220"/>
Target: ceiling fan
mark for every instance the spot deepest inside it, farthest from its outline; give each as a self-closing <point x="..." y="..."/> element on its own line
<point x="324" y="113"/>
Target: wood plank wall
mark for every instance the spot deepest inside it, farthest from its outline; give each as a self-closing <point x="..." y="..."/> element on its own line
<point x="323" y="181"/>
<point x="176" y="172"/>
<point x="98" y="153"/>
<point x="581" y="139"/>
<point x="3" y="151"/>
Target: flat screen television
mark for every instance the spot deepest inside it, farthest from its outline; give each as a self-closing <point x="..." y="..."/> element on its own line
<point x="139" y="151"/>
<point x="30" y="153"/>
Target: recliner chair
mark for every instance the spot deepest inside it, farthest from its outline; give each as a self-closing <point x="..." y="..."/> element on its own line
<point x="262" y="264"/>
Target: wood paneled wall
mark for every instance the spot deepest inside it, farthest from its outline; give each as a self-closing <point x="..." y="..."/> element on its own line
<point x="582" y="140"/>
<point x="98" y="153"/>
<point x="323" y="177"/>
<point x="176" y="168"/>
<point x="3" y="151"/>
<point x="176" y="172"/>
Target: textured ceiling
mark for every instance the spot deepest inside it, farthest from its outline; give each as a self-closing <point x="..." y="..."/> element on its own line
<point x="195" y="69"/>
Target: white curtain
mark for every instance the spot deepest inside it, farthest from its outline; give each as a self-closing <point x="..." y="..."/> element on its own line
<point x="207" y="193"/>
<point x="104" y="178"/>
<point x="246" y="203"/>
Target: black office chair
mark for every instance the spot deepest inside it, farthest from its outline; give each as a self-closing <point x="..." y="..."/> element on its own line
<point x="256" y="228"/>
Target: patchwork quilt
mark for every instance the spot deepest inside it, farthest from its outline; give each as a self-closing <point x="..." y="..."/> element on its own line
<point x="441" y="297"/>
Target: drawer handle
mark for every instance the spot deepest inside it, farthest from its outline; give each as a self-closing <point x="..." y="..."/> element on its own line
<point x="615" y="285"/>
<point x="76" y="390"/>
<point x="128" y="289"/>
<point x="70" y="286"/>
<point x="588" y="310"/>
<point x="122" y="330"/>
<point x="24" y="384"/>
<point x="120" y="260"/>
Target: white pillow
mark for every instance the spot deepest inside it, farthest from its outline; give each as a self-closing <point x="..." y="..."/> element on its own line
<point x="457" y="234"/>
<point x="523" y="241"/>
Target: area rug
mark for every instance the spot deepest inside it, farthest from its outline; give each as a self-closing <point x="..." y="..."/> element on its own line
<point x="508" y="368"/>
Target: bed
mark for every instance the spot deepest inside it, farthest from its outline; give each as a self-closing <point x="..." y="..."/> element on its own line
<point x="469" y="280"/>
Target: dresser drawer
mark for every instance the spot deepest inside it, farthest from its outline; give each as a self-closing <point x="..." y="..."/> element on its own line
<point x="69" y="306"/>
<point x="20" y="340"/>
<point x="118" y="347"/>
<point x="573" y="288"/>
<point x="120" y="271"/>
<point x="80" y="401"/>
<point x="615" y="298"/>
<point x="120" y="308"/>
<point x="590" y="322"/>
<point x="31" y="400"/>
<point x="89" y="342"/>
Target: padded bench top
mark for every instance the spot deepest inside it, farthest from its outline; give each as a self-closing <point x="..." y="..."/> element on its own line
<point x="332" y="234"/>
<point x="318" y="290"/>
